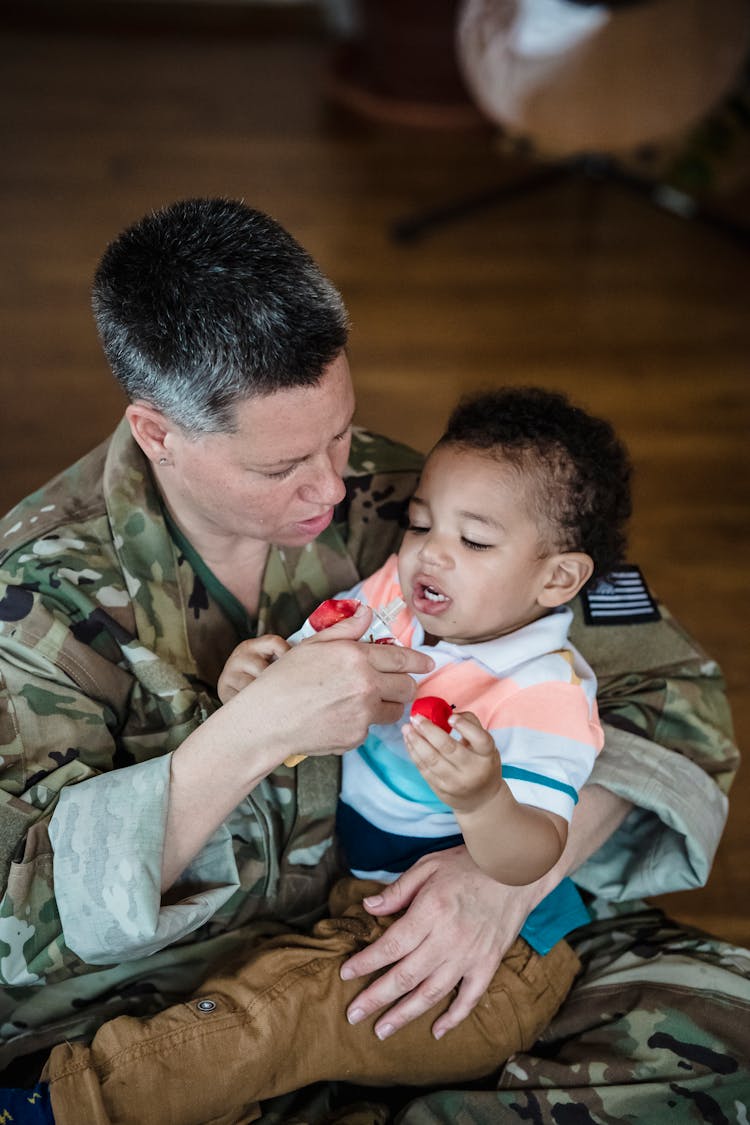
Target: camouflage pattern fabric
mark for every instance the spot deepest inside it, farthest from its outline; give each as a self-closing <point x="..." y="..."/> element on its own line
<point x="669" y="748"/>
<point x="110" y="647"/>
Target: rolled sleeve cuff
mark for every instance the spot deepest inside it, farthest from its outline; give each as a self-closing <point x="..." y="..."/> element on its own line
<point x="108" y="835"/>
<point x="668" y="841"/>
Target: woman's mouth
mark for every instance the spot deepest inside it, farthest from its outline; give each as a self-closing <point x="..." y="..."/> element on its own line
<point x="316" y="525"/>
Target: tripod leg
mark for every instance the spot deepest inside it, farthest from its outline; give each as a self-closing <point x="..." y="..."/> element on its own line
<point x="679" y="204"/>
<point x="413" y="227"/>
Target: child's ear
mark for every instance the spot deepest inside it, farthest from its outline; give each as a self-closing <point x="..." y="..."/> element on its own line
<point x="566" y="575"/>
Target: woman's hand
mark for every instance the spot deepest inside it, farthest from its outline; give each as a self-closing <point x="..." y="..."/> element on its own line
<point x="321" y="696"/>
<point x="458" y="925"/>
<point x="318" y="698"/>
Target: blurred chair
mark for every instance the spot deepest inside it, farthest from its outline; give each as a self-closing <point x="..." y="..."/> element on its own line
<point x="582" y="86"/>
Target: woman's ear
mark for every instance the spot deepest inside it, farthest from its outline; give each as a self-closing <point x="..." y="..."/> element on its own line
<point x="567" y="574"/>
<point x="151" y="429"/>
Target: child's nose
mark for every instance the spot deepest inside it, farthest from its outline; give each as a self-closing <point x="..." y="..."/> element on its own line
<point x="434" y="551"/>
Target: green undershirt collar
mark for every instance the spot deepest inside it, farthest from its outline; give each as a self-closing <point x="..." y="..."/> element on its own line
<point x="230" y="605"/>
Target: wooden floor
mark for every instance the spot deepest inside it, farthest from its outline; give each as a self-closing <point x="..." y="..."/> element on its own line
<point x="641" y="316"/>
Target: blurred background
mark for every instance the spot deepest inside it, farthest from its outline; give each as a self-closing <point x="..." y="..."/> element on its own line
<point x="622" y="279"/>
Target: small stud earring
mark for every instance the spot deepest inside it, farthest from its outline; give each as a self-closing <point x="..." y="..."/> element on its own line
<point x="163" y="461"/>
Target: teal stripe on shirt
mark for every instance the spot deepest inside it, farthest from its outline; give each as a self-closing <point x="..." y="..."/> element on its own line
<point x="399" y="774"/>
<point x="540" y="779"/>
<point x="403" y="777"/>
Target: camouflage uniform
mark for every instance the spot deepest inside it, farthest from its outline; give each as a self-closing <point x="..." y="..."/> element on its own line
<point x="110" y="649"/>
<point x="111" y="641"/>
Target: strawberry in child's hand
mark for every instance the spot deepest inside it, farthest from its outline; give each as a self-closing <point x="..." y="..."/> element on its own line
<point x="433" y="708"/>
<point x="331" y="611"/>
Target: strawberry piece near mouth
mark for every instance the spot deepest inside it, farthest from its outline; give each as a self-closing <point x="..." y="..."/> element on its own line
<point x="331" y="611"/>
<point x="432" y="707"/>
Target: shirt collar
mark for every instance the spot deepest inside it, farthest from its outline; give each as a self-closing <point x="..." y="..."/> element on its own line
<point x="546" y="634"/>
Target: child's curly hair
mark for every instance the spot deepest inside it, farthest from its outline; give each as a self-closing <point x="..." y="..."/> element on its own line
<point x="577" y="470"/>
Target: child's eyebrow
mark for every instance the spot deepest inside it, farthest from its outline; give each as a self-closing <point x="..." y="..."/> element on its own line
<point x="478" y="518"/>
<point x="465" y="514"/>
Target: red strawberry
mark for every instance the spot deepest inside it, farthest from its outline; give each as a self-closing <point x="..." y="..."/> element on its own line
<point x="433" y="708"/>
<point x="331" y="611"/>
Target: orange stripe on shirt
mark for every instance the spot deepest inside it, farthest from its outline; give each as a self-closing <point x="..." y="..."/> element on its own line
<point x="550" y="707"/>
<point x="553" y="708"/>
<point x="469" y="687"/>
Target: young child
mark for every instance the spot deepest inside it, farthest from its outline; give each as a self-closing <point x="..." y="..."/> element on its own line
<point x="521" y="503"/>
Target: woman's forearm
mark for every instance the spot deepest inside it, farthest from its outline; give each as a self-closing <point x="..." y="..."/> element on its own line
<point x="318" y="698"/>
<point x="211" y="773"/>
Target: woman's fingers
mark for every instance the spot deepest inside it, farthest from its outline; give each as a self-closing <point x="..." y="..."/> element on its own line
<point x="456" y="929"/>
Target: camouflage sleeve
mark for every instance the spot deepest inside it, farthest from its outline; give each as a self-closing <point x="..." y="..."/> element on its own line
<point x="49" y="732"/>
<point x="668" y="841"/>
<point x="668" y="749"/>
<point x="108" y="836"/>
<point x="57" y="907"/>
<point x="55" y="740"/>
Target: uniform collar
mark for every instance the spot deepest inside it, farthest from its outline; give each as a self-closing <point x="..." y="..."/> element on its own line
<point x="145" y="550"/>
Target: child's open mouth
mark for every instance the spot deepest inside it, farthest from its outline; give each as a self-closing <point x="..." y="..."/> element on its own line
<point x="429" y="599"/>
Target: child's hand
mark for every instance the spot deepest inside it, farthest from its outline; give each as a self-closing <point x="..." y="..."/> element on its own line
<point x="247" y="662"/>
<point x="464" y="774"/>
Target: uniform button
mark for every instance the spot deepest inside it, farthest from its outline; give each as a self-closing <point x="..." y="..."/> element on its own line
<point x="206" y="1006"/>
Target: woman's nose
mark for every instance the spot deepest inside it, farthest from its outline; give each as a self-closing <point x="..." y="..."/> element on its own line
<point x="324" y="484"/>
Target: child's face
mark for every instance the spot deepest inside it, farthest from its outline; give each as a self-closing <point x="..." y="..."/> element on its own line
<point x="470" y="566"/>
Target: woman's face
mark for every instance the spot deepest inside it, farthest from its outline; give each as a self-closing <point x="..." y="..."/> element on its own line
<point x="279" y="475"/>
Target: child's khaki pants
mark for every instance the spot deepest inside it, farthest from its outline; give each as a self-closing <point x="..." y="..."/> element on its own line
<point x="279" y="1024"/>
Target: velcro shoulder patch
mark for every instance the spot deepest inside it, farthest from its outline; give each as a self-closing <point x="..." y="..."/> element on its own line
<point x="623" y="599"/>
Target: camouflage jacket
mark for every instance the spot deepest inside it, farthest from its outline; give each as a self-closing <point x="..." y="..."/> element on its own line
<point x="111" y="642"/>
<point x="110" y="649"/>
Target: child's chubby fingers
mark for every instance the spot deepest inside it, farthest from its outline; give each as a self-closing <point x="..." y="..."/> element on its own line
<point x="248" y="661"/>
<point x="253" y="657"/>
<point x="270" y="646"/>
<point x="427" y="743"/>
<point x="473" y="733"/>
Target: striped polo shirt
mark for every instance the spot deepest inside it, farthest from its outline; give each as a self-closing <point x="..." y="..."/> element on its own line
<point x="531" y="689"/>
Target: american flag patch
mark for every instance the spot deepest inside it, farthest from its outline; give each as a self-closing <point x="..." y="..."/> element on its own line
<point x="623" y="599"/>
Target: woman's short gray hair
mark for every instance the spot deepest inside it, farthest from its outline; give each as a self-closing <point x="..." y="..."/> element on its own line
<point x="208" y="302"/>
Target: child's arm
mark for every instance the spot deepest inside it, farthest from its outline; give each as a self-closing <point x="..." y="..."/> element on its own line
<point x="514" y="843"/>
<point x="247" y="662"/>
